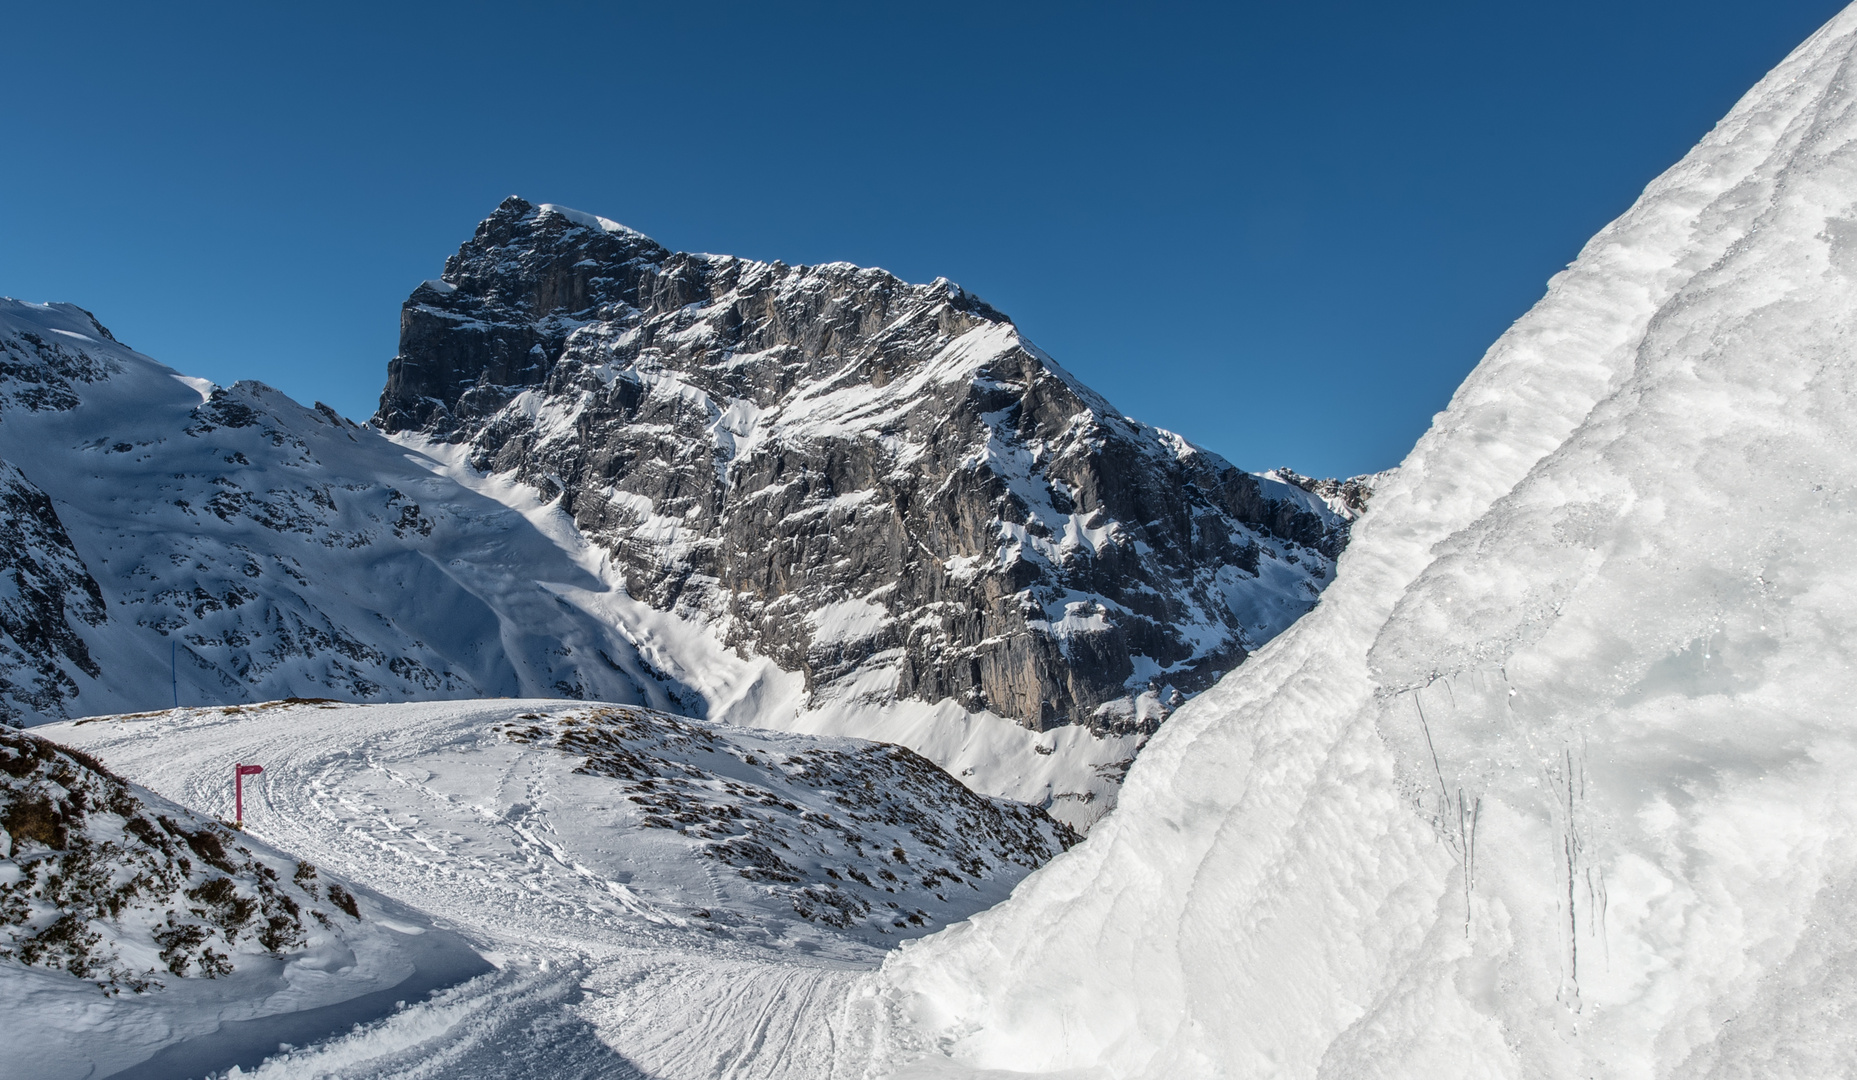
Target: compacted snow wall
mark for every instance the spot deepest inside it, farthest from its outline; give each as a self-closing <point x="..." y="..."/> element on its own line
<point x="1560" y="779"/>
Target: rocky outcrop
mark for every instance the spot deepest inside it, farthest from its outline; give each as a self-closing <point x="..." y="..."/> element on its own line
<point x="45" y="593"/>
<point x="865" y="837"/>
<point x="98" y="879"/>
<point x="880" y="484"/>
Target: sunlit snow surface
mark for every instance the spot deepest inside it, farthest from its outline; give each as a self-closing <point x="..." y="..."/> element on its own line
<point x="133" y="924"/>
<point x="1560" y="779"/>
<point x="646" y="883"/>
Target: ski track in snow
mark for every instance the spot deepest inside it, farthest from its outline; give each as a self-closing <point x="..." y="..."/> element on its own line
<point x="1555" y="782"/>
<point x="606" y="970"/>
<point x="629" y="1017"/>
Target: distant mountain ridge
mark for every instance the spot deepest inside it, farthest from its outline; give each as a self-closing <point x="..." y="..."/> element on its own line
<point x="878" y="484"/>
<point x="817" y="499"/>
<point x="168" y="539"/>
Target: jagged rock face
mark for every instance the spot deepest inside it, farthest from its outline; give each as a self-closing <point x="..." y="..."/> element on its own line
<point x="44" y="589"/>
<point x="876" y="483"/>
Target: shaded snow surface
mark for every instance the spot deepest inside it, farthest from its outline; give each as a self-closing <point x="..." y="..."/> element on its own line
<point x="1560" y="778"/>
<point x="660" y="894"/>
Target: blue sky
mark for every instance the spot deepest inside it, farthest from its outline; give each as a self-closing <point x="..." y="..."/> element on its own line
<point x="1284" y="230"/>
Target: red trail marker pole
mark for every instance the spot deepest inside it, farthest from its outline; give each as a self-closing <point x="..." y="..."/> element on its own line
<point x="239" y="773"/>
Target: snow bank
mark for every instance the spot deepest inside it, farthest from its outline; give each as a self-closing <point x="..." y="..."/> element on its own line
<point x="253" y="946"/>
<point x="1557" y="780"/>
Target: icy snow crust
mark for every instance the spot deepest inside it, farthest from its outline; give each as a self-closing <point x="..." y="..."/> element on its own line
<point x="1558" y="778"/>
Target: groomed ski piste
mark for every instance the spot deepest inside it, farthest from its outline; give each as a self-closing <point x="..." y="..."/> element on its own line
<point x="662" y="897"/>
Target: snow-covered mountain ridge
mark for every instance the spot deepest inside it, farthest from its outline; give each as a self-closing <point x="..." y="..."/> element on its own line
<point x="169" y="538"/>
<point x="225" y="544"/>
<point x="52" y="595"/>
<point x="896" y="520"/>
<point x="877" y="484"/>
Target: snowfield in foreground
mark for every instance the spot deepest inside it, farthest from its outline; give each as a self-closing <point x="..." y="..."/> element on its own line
<point x="663" y="863"/>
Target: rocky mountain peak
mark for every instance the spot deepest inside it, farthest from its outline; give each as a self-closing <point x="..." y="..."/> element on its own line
<point x="880" y="484"/>
<point x="532" y="275"/>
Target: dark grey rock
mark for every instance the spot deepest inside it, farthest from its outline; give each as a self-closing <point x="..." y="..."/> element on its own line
<point x="45" y="594"/>
<point x="876" y="483"/>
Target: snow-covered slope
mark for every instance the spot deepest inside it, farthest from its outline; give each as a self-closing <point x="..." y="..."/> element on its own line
<point x="128" y="923"/>
<point x="694" y="879"/>
<point x="1558" y="778"/>
<point x="577" y="823"/>
<point x="247" y="548"/>
<point x="48" y="595"/>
